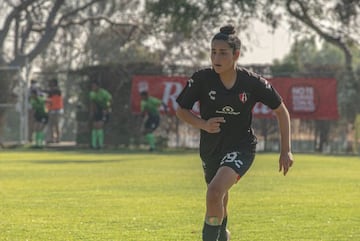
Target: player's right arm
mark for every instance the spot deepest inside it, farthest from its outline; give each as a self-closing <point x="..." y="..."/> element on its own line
<point x="211" y="125"/>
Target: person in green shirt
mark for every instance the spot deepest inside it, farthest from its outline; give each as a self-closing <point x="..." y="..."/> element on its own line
<point x="100" y="109"/>
<point x="38" y="105"/>
<point x="150" y="107"/>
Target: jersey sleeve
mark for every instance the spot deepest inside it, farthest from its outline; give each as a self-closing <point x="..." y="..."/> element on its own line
<point x="108" y="95"/>
<point x="191" y="92"/>
<point x="156" y="101"/>
<point x="267" y="94"/>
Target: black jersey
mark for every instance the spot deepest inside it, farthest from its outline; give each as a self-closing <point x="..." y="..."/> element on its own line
<point x="234" y="104"/>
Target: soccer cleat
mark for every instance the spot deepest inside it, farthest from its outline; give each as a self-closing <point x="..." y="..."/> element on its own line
<point x="227" y="236"/>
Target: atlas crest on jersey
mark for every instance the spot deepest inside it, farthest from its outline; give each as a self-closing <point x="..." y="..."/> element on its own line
<point x="243" y="97"/>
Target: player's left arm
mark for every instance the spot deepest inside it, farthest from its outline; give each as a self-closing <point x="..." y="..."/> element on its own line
<point x="286" y="158"/>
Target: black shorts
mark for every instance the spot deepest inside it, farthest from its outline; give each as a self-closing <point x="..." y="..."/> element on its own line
<point x="240" y="162"/>
<point x="41" y="117"/>
<point x="101" y="115"/>
<point x="152" y="122"/>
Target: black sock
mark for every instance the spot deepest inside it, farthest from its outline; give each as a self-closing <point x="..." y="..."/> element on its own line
<point x="223" y="234"/>
<point x="210" y="233"/>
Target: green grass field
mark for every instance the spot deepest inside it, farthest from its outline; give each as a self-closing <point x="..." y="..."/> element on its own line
<point x="147" y="197"/>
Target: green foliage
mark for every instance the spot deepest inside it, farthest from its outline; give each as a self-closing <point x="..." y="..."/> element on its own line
<point x="149" y="197"/>
<point x="308" y="56"/>
<point x="319" y="58"/>
<point x="182" y="14"/>
<point x="189" y="17"/>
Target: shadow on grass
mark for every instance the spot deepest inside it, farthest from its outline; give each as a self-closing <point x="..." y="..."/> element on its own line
<point x="74" y="161"/>
<point x="118" y="151"/>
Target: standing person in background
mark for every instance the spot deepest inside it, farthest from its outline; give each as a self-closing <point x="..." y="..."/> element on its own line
<point x="40" y="115"/>
<point x="56" y="109"/>
<point x="150" y="108"/>
<point x="34" y="86"/>
<point x="100" y="109"/>
<point x="227" y="95"/>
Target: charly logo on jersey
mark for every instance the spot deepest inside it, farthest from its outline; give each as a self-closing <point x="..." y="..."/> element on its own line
<point x="243" y="97"/>
<point x="227" y="110"/>
<point x="212" y="94"/>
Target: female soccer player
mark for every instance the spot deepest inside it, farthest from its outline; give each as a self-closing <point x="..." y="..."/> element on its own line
<point x="38" y="105"/>
<point x="227" y="95"/>
<point x="100" y="109"/>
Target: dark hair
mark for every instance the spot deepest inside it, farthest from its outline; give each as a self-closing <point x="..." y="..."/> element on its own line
<point x="227" y="34"/>
<point x="34" y="92"/>
<point x="144" y="93"/>
<point x="96" y="82"/>
<point x="54" y="92"/>
<point x="54" y="81"/>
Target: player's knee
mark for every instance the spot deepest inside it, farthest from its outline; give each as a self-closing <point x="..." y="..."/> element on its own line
<point x="214" y="193"/>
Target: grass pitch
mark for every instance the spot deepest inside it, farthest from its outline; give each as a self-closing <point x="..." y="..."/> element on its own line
<point x="47" y="195"/>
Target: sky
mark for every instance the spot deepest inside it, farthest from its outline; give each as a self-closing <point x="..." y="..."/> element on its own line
<point x="265" y="46"/>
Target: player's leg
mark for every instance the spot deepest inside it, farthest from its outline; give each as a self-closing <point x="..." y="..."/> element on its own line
<point x="224" y="179"/>
<point x="239" y="162"/>
<point x="150" y="138"/>
<point x="224" y="232"/>
<point x="56" y="127"/>
<point x="49" y="131"/>
<point x="44" y="120"/>
<point x="150" y="126"/>
<point x="94" y="135"/>
<point x="41" y="134"/>
<point x="148" y="133"/>
<point x="100" y="133"/>
<point x="37" y="133"/>
<point x="94" y="131"/>
<point x="38" y="129"/>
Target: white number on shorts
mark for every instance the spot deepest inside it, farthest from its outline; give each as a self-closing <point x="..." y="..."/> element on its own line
<point x="231" y="157"/>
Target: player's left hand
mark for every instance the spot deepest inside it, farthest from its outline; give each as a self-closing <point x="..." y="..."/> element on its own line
<point x="286" y="160"/>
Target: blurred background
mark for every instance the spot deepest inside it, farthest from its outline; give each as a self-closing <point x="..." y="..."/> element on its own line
<point x="114" y="41"/>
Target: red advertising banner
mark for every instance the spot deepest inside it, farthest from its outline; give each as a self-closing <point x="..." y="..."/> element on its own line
<point x="305" y="98"/>
<point x="309" y="98"/>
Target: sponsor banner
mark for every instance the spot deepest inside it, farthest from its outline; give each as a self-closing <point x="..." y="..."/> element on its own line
<point x="306" y="98"/>
<point x="309" y="98"/>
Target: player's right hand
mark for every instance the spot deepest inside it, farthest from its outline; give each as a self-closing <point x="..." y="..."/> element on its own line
<point x="212" y="125"/>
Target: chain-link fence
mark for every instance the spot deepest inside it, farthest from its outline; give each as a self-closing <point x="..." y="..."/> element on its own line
<point x="124" y="128"/>
<point x="13" y="106"/>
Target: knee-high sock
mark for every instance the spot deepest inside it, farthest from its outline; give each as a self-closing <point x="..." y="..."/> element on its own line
<point x="41" y="138"/>
<point x="223" y="234"/>
<point x="100" y="136"/>
<point x="150" y="139"/>
<point x="37" y="138"/>
<point x="210" y="233"/>
<point x="94" y="138"/>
